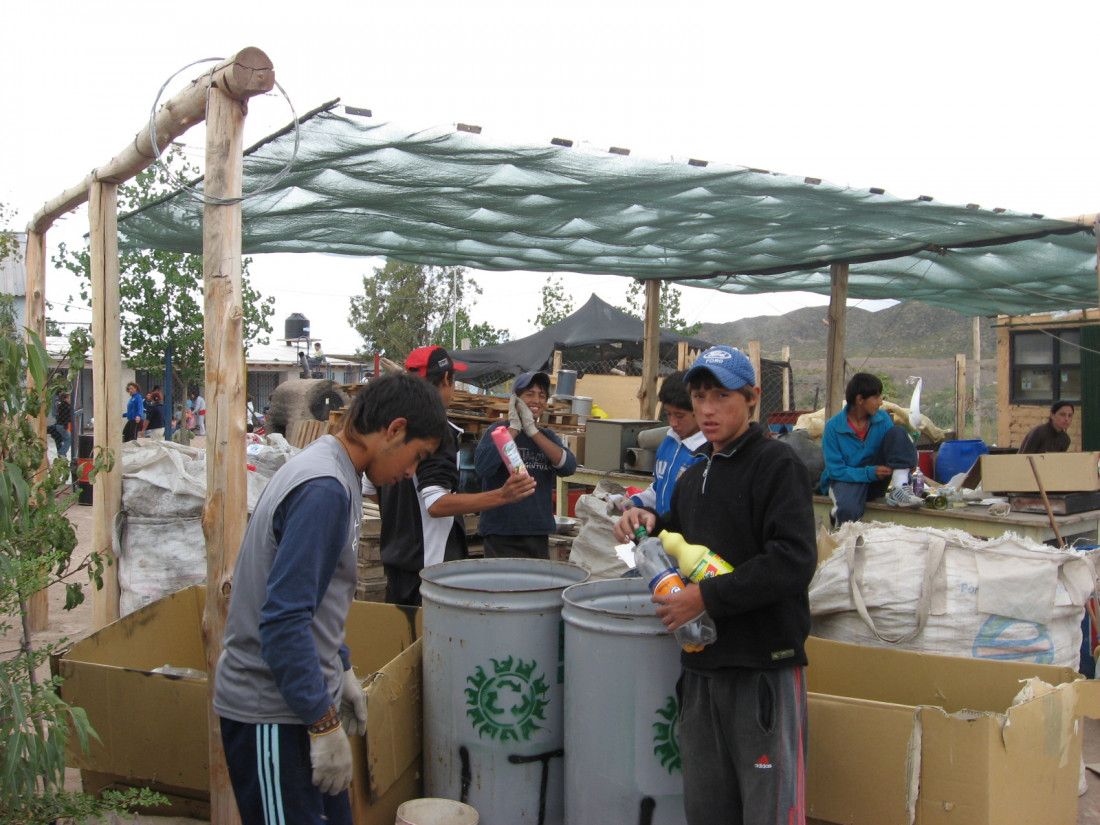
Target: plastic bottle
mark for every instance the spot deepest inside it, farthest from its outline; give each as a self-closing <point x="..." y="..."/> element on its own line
<point x="917" y="481"/>
<point x="659" y="571"/>
<point x="696" y="561"/>
<point x="509" y="452"/>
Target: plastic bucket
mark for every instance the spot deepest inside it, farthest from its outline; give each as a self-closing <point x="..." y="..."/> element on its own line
<point x="622" y="762"/>
<point x="581" y="405"/>
<point x="493" y="686"/>
<point x="956" y="457"/>
<point x="429" y="811"/>
<point x="567" y="382"/>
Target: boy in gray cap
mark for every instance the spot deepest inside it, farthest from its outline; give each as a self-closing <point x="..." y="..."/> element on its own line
<point x="523" y="527"/>
<point x="742" y="725"/>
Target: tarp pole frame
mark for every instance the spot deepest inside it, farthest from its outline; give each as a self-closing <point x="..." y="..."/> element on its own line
<point x="647" y="393"/>
<point x="245" y="75"/>
<point x="834" y="351"/>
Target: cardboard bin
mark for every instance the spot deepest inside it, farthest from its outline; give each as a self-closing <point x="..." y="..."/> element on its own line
<point x="901" y="738"/>
<point x="153" y="726"/>
<point x="1060" y="473"/>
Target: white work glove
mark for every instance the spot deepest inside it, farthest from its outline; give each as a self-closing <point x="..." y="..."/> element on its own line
<point x="353" y="705"/>
<point x="513" y="413"/>
<point x="330" y="756"/>
<point x="526" y="418"/>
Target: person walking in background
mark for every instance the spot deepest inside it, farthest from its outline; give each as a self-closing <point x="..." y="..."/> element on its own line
<point x="135" y="413"/>
<point x="523" y="528"/>
<point x="154" y="416"/>
<point x="61" y="429"/>
<point x="198" y="409"/>
<point x="284" y="688"/>
<point x="1051" y="435"/>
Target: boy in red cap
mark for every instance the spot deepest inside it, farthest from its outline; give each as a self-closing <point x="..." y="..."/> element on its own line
<point x="419" y="514"/>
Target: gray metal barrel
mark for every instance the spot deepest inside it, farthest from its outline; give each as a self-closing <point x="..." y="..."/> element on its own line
<point x="493" y="686"/>
<point x="622" y="763"/>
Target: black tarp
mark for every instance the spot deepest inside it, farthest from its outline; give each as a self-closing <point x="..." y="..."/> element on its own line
<point x="595" y="324"/>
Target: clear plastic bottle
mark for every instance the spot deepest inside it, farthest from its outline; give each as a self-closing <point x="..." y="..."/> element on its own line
<point x="916" y="480"/>
<point x="696" y="561"/>
<point x="659" y="571"/>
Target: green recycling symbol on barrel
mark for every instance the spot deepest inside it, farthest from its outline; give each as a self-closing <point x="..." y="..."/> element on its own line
<point x="666" y="745"/>
<point x="508" y="703"/>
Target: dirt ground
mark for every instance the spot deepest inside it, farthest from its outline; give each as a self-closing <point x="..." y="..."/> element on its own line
<point x="76" y="624"/>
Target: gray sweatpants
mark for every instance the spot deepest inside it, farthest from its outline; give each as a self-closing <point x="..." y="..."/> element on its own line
<point x="743" y="744"/>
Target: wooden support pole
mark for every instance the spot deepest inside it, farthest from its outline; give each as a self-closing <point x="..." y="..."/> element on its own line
<point x="960" y="395"/>
<point x="976" y="378"/>
<point x="786" y="356"/>
<point x="682" y="353"/>
<point x="754" y="358"/>
<point x="107" y="388"/>
<point x="647" y="393"/>
<point x="38" y="606"/>
<point x="834" y="352"/>
<point x="224" y="514"/>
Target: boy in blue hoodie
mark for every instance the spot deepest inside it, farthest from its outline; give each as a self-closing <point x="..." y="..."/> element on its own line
<point x="679" y="449"/>
<point x="866" y="453"/>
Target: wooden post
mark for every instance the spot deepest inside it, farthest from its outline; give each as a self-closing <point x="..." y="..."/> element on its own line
<point x="786" y="378"/>
<point x="38" y="606"/>
<point x="107" y="408"/>
<point x="682" y="356"/>
<point x="224" y="514"/>
<point x="834" y="352"/>
<point x="976" y="380"/>
<point x="647" y="393"/>
<point x="754" y="357"/>
<point x="960" y="395"/>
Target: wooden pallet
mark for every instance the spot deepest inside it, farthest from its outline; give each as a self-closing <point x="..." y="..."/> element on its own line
<point x="306" y="432"/>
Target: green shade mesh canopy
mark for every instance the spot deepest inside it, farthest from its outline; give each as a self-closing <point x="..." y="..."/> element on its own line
<point x="446" y="196"/>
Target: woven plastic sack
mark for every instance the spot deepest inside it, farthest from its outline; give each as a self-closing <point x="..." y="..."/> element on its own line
<point x="945" y="592"/>
<point x="594" y="547"/>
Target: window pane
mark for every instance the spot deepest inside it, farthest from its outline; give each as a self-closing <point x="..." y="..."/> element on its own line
<point x="1032" y="348"/>
<point x="1070" y="385"/>
<point x="1069" y="349"/>
<point x="1033" y="385"/>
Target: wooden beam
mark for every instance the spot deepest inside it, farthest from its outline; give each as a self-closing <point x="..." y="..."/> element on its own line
<point x="960" y="395"/>
<point x="834" y="351"/>
<point x="786" y="356"/>
<point x="225" y="512"/>
<point x="107" y="389"/>
<point x="34" y="256"/>
<point x="976" y="380"/>
<point x="242" y="76"/>
<point x="647" y="393"/>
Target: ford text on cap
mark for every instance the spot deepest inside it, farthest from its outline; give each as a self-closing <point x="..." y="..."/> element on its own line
<point x="731" y="367"/>
<point x="428" y="360"/>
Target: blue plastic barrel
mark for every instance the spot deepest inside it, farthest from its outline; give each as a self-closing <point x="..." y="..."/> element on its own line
<point x="956" y="457"/>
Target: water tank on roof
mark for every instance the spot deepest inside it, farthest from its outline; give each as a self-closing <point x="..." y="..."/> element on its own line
<point x="297" y="326"/>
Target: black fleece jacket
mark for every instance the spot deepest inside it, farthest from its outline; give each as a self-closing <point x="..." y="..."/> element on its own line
<point x="750" y="505"/>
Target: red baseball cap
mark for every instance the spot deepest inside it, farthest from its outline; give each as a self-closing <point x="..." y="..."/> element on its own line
<point x="425" y="361"/>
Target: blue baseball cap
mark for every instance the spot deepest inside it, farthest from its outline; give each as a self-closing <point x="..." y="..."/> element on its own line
<point x="730" y="367"/>
<point x="526" y="379"/>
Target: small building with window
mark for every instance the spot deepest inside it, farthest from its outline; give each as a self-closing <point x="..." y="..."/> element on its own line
<point x="1045" y="358"/>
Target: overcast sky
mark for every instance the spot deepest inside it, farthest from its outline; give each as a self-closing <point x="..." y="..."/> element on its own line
<point x="965" y="101"/>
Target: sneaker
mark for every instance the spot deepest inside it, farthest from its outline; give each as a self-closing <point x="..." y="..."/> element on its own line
<point x="903" y="496"/>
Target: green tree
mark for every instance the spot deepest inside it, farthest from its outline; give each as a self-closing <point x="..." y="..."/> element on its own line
<point x="36" y="550"/>
<point x="9" y="244"/>
<point x="161" y="293"/>
<point x="405" y="306"/>
<point x="669" y="316"/>
<point x="556" y="305"/>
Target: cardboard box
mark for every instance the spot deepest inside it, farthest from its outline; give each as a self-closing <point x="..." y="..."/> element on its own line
<point x="1060" y="473"/>
<point x="901" y="738"/>
<point x="153" y="726"/>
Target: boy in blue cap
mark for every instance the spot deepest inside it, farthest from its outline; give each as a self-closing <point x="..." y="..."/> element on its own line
<point x="742" y="727"/>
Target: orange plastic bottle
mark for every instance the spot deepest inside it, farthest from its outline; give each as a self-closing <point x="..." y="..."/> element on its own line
<point x="696" y="561"/>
